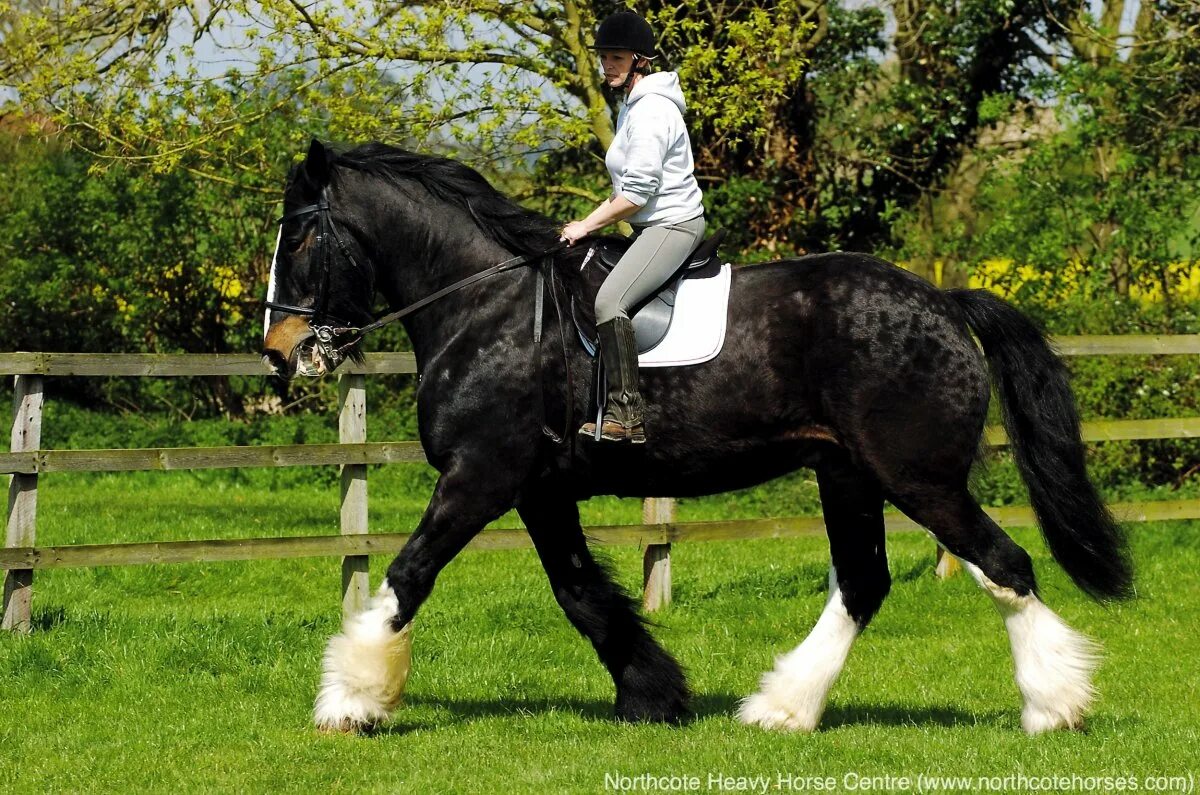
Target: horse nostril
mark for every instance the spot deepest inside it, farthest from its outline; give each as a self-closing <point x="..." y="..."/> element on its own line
<point x="275" y="360"/>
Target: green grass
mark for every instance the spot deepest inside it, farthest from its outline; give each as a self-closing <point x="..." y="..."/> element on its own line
<point x="201" y="677"/>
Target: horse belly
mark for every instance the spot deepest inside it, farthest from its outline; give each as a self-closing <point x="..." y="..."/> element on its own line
<point x="696" y="473"/>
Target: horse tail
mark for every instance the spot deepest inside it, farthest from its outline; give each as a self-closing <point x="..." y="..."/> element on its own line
<point x="1043" y="428"/>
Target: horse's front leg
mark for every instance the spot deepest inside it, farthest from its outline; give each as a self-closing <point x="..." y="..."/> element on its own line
<point x="650" y="684"/>
<point x="366" y="664"/>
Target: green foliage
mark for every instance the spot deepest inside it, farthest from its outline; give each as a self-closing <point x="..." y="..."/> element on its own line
<point x="857" y="141"/>
<point x="1102" y="192"/>
<point x="123" y="260"/>
<point x="890" y="130"/>
<point x="358" y="70"/>
<point x="732" y="204"/>
<point x="564" y="185"/>
<point x="738" y="69"/>
<point x="1088" y="181"/>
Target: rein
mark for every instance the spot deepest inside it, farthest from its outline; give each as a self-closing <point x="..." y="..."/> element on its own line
<point x="327" y="334"/>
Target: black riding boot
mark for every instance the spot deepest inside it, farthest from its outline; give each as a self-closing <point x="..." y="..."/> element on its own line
<point x="623" y="409"/>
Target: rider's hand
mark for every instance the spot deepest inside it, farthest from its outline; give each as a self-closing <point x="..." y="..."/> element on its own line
<point x="574" y="232"/>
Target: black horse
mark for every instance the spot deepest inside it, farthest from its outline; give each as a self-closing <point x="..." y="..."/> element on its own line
<point x="840" y="362"/>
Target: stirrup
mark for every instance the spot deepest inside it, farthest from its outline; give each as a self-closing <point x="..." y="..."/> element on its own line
<point x="614" y="431"/>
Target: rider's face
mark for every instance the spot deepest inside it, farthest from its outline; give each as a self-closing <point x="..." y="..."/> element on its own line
<point x="616" y="65"/>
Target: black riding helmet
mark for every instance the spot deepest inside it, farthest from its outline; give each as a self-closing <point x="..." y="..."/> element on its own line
<point x="626" y="30"/>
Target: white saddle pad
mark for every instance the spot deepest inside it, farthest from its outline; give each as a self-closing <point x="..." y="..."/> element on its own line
<point x="698" y="324"/>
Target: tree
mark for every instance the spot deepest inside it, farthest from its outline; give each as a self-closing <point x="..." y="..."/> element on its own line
<point x="744" y="66"/>
<point x="137" y="76"/>
<point x="1136" y="100"/>
<point x="814" y="126"/>
<point x="125" y="259"/>
<point x="1100" y="198"/>
<point x="494" y="82"/>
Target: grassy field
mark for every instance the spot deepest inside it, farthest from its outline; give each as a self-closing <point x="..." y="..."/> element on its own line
<point x="201" y="677"/>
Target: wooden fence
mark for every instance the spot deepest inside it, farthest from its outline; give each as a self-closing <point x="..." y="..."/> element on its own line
<point x="26" y="461"/>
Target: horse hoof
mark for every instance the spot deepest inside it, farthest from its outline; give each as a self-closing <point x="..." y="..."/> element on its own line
<point x="365" y="669"/>
<point x="1035" y="721"/>
<point x="672" y="714"/>
<point x="347" y="726"/>
<point x="657" y="708"/>
<point x="760" y="710"/>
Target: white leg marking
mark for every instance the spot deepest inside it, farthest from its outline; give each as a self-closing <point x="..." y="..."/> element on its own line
<point x="1054" y="663"/>
<point x="793" y="695"/>
<point x="365" y="668"/>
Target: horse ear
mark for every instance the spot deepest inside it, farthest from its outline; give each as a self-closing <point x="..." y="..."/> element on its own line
<point x="318" y="162"/>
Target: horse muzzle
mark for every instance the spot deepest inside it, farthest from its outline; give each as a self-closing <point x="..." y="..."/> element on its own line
<point x="292" y="348"/>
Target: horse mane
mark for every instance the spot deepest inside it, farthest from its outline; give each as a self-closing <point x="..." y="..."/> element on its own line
<point x="518" y="229"/>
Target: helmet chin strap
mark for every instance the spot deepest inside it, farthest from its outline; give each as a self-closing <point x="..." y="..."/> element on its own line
<point x="629" y="75"/>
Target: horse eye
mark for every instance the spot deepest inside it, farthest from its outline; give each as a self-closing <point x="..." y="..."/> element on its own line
<point x="299" y="246"/>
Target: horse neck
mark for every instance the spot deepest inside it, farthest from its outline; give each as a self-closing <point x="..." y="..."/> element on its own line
<point x="424" y="257"/>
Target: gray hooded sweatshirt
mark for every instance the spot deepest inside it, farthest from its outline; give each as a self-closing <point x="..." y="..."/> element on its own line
<point x="650" y="159"/>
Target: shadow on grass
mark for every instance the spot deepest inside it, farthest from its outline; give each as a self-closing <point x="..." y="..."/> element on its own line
<point x="900" y="715"/>
<point x="722" y="705"/>
<point x="713" y="705"/>
<point x="704" y="705"/>
<point x="707" y="705"/>
<point x="914" y="571"/>
<point x="591" y="710"/>
<point x="467" y="709"/>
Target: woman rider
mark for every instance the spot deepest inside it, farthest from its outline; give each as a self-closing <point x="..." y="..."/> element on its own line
<point x="650" y="163"/>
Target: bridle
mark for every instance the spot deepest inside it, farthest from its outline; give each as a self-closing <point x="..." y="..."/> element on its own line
<point x="329" y="330"/>
<point x="325" y="327"/>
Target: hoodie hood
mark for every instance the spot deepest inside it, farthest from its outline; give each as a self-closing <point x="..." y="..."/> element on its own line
<point x="663" y="83"/>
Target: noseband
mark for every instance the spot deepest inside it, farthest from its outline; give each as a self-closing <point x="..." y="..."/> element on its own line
<point x="321" y="323"/>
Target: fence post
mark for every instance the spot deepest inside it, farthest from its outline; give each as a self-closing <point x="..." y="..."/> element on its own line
<point x="352" y="427"/>
<point x="16" y="613"/>
<point x="656" y="561"/>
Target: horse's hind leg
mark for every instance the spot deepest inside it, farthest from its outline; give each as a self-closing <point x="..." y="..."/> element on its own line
<point x="1053" y="662"/>
<point x="793" y="695"/>
<point x="650" y="685"/>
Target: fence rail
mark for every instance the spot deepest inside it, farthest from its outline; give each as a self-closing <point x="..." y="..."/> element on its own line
<point x="647" y="535"/>
<point x="192" y="364"/>
<point x="179" y="364"/>
<point x="364" y="453"/>
<point x="168" y="458"/>
<point x="26" y="461"/>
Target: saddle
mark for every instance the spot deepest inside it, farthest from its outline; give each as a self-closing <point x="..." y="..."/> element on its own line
<point x="652" y="317"/>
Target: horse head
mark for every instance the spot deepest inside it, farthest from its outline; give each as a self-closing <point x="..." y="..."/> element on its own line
<point x="322" y="281"/>
<point x="411" y="225"/>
